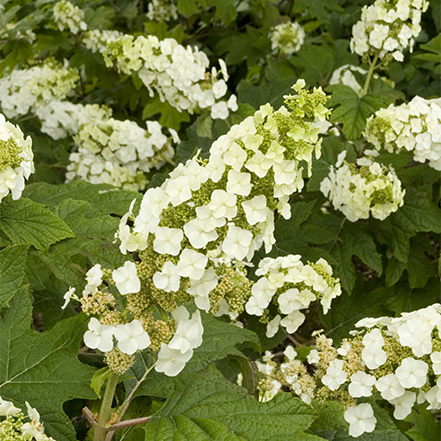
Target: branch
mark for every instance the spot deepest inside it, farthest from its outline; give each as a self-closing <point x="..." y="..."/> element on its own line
<point x="91" y="417"/>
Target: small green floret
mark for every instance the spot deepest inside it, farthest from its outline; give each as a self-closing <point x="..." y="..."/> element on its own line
<point x="10" y="154"/>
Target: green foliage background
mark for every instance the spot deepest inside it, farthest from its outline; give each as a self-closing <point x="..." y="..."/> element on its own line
<point x="56" y="231"/>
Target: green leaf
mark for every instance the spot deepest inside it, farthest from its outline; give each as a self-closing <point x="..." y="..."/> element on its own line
<point x="98" y="379"/>
<point x="187" y="7"/>
<point x="246" y="46"/>
<point x="187" y="149"/>
<point x="316" y="62"/>
<point x="226" y="11"/>
<point x="405" y="299"/>
<point x="12" y="271"/>
<point x="205" y="127"/>
<point x="419" y="266"/>
<point x="42" y="368"/>
<point x="99" y="18"/>
<point x="397" y="239"/>
<point x="356" y="240"/>
<point x="267" y="92"/>
<point x="418" y="213"/>
<point x="353" y="111"/>
<point x="424" y="426"/>
<point x="204" y="406"/>
<point x="320" y="9"/>
<point x="103" y="197"/>
<point x="26" y="222"/>
<point x="394" y="271"/>
<point x="433" y="50"/>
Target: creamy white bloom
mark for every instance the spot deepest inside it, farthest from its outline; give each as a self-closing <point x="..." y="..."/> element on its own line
<point x="412" y="373"/>
<point x="389" y="386"/>
<point x="335" y="375"/>
<point x="131" y="337"/>
<point x="403" y="404"/>
<point x="273" y="327"/>
<point x="171" y="361"/>
<point x="94" y="279"/>
<point x="168" y="279"/>
<point x="168" y="240"/>
<point x="189" y="333"/>
<point x="99" y="336"/>
<point x="361" y="419"/>
<point x="191" y="264"/>
<point x="387" y="27"/>
<point x="237" y="242"/>
<point x="287" y="38"/>
<point x="361" y="385"/>
<point x="7" y="408"/>
<point x="126" y="279"/>
<point x="16" y="159"/>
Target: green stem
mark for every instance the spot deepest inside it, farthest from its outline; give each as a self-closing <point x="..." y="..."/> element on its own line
<point x="106" y="408"/>
<point x="369" y="76"/>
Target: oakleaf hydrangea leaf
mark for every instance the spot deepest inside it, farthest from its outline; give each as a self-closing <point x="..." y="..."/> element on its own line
<point x="42" y="368"/>
<point x="12" y="270"/>
<point x="26" y="222"/>
<point x="205" y="406"/>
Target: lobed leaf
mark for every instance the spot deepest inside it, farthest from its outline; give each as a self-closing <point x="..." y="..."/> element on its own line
<point x="42" y="369"/>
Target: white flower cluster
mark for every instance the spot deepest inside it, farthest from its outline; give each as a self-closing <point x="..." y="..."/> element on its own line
<point x="287" y="38"/>
<point x="387" y="27"/>
<point x="98" y="40"/>
<point x="16" y="159"/>
<point x="415" y="126"/>
<point x="363" y="188"/>
<point x="290" y="373"/>
<point x="397" y="358"/>
<point x="223" y="208"/>
<point x="118" y="152"/>
<point x="63" y="118"/>
<point x="69" y="16"/>
<point x="13" y="427"/>
<point x="131" y="336"/>
<point x="162" y="10"/>
<point x="291" y="285"/>
<point x="25" y="90"/>
<point x="173" y="356"/>
<point x="178" y="74"/>
<point x="109" y="151"/>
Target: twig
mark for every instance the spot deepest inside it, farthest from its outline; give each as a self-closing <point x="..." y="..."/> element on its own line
<point x="90" y="416"/>
<point x="293" y="340"/>
<point x="128" y="423"/>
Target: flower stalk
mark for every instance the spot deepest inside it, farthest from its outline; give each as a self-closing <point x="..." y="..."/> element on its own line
<point x="106" y="408"/>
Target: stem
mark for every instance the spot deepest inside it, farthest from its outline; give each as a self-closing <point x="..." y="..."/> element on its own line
<point x="369" y="76"/>
<point x="125" y="406"/>
<point x="167" y="160"/>
<point x="106" y="408"/>
<point x="129" y="397"/>
<point x="128" y="423"/>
